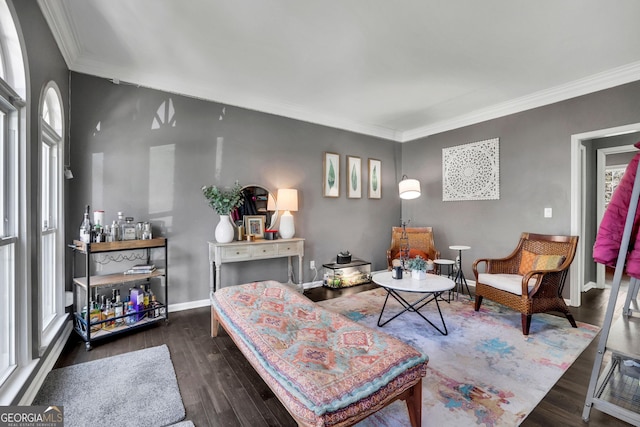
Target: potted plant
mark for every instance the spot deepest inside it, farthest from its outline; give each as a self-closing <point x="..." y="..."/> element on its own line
<point x="224" y="201"/>
<point x="418" y="267"/>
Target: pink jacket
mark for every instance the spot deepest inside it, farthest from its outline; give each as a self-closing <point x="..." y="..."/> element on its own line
<point x="609" y="238"/>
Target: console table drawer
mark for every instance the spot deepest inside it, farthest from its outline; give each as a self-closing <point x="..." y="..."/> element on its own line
<point x="260" y="251"/>
<point x="288" y="248"/>
<point x="236" y="252"/>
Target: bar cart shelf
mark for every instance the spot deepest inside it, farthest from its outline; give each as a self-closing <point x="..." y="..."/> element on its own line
<point x="88" y="284"/>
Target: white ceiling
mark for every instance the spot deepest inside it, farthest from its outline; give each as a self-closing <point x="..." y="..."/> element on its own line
<point x="399" y="70"/>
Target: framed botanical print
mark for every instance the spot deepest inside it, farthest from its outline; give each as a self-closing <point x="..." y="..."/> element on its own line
<point x="331" y="175"/>
<point x="354" y="177"/>
<point x="375" y="179"/>
<point x="254" y="224"/>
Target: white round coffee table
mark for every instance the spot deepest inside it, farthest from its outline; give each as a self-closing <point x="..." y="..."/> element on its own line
<point x="432" y="287"/>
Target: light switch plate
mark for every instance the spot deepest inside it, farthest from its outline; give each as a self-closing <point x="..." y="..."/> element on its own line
<point x="548" y="212"/>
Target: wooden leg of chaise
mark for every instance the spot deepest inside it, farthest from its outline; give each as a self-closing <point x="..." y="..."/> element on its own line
<point x="214" y="323"/>
<point x="414" y="404"/>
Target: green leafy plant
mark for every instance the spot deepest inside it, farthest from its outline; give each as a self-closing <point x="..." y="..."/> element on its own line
<point x="374" y="179"/>
<point x="354" y="178"/>
<point x="223" y="201"/>
<point x="417" y="263"/>
<point x="331" y="180"/>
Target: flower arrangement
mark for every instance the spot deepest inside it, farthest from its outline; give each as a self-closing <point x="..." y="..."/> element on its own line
<point x="417" y="263"/>
<point x="223" y="201"/>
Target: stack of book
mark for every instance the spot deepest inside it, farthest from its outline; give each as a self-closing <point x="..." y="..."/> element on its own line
<point x="141" y="269"/>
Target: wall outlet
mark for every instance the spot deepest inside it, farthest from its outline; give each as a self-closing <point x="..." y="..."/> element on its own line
<point x="548" y="212"/>
<point x="312" y="265"/>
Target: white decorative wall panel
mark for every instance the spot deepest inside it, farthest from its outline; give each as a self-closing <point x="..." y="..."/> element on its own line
<point x="471" y="171"/>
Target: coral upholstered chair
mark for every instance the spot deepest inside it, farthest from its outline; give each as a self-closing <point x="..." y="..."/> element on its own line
<point x="420" y="243"/>
<point x="530" y="280"/>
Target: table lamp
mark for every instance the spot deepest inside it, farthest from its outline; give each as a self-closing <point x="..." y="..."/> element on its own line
<point x="287" y="202"/>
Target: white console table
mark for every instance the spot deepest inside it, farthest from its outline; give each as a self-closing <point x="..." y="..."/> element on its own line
<point x="221" y="253"/>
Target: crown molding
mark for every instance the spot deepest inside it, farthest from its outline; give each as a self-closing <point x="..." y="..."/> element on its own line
<point x="605" y="80"/>
<point x="62" y="28"/>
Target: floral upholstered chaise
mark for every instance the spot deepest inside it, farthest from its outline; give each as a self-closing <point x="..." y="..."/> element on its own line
<point x="325" y="369"/>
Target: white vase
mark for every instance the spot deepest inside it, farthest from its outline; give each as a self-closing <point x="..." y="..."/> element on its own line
<point x="418" y="274"/>
<point x="224" y="230"/>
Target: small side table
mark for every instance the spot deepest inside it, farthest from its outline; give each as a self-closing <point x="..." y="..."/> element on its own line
<point x="441" y="263"/>
<point x="460" y="279"/>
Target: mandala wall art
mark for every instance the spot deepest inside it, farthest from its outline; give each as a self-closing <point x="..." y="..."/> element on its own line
<point x="471" y="171"/>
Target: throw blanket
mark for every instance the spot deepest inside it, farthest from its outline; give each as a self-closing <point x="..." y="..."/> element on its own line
<point x="322" y="359"/>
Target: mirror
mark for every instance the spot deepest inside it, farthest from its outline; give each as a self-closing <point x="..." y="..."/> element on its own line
<point x="256" y="202"/>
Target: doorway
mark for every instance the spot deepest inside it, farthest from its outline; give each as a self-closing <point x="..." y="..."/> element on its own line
<point x="580" y="192"/>
<point x="611" y="165"/>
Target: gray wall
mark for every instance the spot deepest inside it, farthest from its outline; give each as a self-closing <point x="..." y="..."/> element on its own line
<point x="535" y="153"/>
<point x="217" y="144"/>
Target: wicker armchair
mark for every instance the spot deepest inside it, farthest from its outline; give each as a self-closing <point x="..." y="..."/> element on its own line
<point x="420" y="243"/>
<point x="530" y="280"/>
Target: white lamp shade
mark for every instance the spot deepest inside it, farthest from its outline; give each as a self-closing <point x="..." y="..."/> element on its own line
<point x="409" y="188"/>
<point x="287" y="199"/>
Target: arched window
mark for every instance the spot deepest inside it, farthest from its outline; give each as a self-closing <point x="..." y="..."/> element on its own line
<point x="51" y="251"/>
<point x="12" y="215"/>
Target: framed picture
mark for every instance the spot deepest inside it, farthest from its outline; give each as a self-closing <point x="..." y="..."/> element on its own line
<point x="254" y="224"/>
<point x="375" y="179"/>
<point x="354" y="177"/>
<point x="331" y="175"/>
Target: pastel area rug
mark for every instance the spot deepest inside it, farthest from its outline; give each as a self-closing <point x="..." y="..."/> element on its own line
<point x="484" y="372"/>
<point x="137" y="388"/>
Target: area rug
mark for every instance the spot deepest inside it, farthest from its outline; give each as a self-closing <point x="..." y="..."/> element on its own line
<point x="484" y="372"/>
<point x="137" y="388"/>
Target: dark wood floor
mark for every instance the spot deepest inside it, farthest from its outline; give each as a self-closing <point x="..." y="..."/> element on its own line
<point x="220" y="388"/>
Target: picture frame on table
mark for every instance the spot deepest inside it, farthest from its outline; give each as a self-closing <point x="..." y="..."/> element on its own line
<point x="375" y="179"/>
<point x="331" y="175"/>
<point x="254" y="225"/>
<point x="354" y="177"/>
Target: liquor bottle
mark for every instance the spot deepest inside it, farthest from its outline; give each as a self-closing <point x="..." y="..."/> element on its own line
<point x="86" y="228"/>
<point x="119" y="223"/>
<point x="131" y="314"/>
<point x="137" y="296"/>
<point x="128" y="229"/>
<point x="146" y="232"/>
<point x="95" y="316"/>
<point x="154" y="305"/>
<point x="107" y="314"/>
<point x="146" y="296"/>
<point x="115" y="231"/>
<point x="118" y="309"/>
<point x="98" y="234"/>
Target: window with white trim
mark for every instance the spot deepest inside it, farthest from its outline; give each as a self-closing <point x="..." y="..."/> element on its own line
<point x="14" y="314"/>
<point x="8" y="239"/>
<point x="51" y="280"/>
